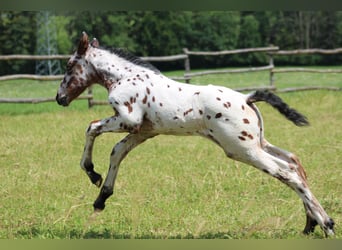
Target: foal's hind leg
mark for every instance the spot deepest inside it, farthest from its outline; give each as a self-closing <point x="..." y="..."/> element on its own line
<point x="286" y="167"/>
<point x="289" y="157"/>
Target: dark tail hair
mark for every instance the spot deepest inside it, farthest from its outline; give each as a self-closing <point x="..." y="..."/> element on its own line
<point x="291" y="114"/>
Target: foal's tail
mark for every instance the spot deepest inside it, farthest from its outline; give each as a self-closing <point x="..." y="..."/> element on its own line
<point x="291" y="114"/>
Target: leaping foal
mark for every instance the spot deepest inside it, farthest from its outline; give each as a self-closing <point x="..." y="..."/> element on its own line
<point x="146" y="104"/>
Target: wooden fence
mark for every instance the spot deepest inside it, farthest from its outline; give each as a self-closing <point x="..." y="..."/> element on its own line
<point x="271" y="51"/>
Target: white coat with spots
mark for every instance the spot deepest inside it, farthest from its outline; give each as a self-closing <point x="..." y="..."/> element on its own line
<point x="146" y="104"/>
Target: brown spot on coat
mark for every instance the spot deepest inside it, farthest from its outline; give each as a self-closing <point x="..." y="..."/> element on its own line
<point x="218" y="115"/>
<point x="129" y="106"/>
<point x="226" y="105"/>
<point x="187" y="112"/>
<point x="242" y="138"/>
<point x="208" y="117"/>
<point x="148" y="90"/>
<point x="244" y="133"/>
<point x="246" y="121"/>
<point x="144" y="101"/>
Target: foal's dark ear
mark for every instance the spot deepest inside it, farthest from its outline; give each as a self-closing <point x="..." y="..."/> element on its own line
<point x="83" y="44"/>
<point x="95" y="43"/>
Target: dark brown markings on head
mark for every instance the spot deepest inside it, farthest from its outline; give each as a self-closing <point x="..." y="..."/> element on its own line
<point x="175" y="118"/>
<point x="218" y="115"/>
<point x="242" y="138"/>
<point x="208" y="117"/>
<point x="246" y="121"/>
<point x="200" y="112"/>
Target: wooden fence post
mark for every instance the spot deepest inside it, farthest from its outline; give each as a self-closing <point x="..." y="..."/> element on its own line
<point x="186" y="65"/>
<point x="271" y="63"/>
<point x="91" y="97"/>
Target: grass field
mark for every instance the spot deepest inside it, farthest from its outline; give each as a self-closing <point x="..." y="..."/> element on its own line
<point x="169" y="187"/>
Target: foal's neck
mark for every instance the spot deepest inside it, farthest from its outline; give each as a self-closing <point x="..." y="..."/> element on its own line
<point x="110" y="68"/>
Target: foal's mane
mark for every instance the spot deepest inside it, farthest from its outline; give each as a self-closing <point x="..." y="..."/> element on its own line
<point x="125" y="54"/>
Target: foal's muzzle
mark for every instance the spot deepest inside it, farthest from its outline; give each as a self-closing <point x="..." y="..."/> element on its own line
<point x="62" y="100"/>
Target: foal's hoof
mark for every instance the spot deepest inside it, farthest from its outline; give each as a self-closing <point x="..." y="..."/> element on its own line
<point x="310" y="225"/>
<point x="99" y="182"/>
<point x="96" y="179"/>
<point x="329" y="227"/>
<point x="99" y="206"/>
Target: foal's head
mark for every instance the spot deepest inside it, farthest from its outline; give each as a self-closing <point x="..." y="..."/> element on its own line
<point x="79" y="75"/>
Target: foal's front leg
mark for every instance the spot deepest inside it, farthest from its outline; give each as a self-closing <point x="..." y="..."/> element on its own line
<point x="112" y="124"/>
<point x="120" y="150"/>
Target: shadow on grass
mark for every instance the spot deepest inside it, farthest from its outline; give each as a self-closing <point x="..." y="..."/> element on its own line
<point x="37" y="233"/>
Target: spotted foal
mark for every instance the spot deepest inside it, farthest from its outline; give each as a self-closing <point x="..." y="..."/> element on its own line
<point x="146" y="104"/>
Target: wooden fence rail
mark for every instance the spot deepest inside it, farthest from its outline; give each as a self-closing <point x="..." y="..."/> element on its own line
<point x="272" y="52"/>
<point x="307" y="51"/>
<point x="230" y="52"/>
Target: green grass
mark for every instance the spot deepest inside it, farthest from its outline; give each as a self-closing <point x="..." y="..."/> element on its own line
<point x="169" y="187"/>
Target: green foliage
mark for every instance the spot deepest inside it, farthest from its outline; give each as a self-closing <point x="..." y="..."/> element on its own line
<point x="17" y="36"/>
<point x="156" y="33"/>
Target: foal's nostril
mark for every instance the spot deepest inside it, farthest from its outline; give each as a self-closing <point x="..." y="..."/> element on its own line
<point x="62" y="100"/>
